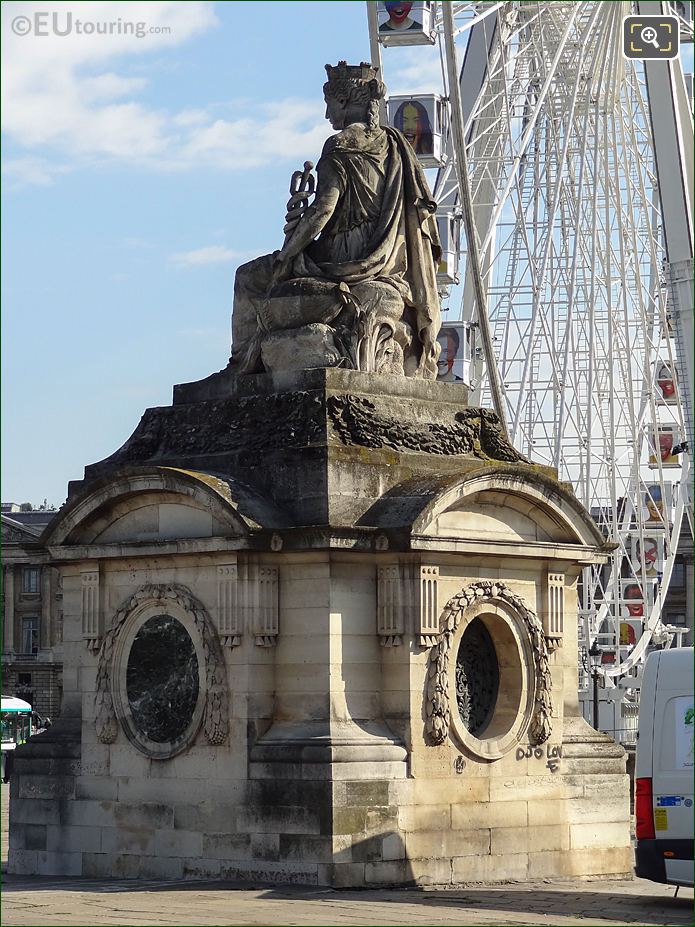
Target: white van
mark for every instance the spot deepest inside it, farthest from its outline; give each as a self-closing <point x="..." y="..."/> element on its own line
<point x="664" y="769"/>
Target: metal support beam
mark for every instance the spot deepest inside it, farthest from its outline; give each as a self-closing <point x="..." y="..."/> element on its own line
<point x="672" y="130"/>
<point x="461" y="166"/>
<point x="375" y="50"/>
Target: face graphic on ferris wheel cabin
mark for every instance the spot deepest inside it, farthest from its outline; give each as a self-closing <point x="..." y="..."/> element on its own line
<point x="665" y="382"/>
<point x="412" y="119"/>
<point x="647" y="554"/>
<point x="654" y="504"/>
<point x="399" y="19"/>
<point x="398" y="12"/>
<point x="634" y="600"/>
<point x="449" y="341"/>
<point x="665" y="445"/>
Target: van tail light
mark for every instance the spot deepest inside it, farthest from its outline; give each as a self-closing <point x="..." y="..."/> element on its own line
<point x="644" y="811"/>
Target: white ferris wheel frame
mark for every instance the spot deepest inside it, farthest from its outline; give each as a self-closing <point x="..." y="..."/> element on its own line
<point x="483" y="196"/>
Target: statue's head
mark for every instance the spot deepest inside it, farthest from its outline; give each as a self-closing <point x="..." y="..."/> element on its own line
<point x="352" y="93"/>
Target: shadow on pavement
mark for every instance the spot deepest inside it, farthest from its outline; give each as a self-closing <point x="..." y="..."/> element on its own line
<point x="635" y="907"/>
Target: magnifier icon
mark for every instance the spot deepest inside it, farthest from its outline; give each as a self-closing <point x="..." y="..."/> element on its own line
<point x="648" y="36"/>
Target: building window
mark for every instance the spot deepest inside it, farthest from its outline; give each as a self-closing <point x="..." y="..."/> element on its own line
<point x="678" y="575"/>
<point x="23" y="679"/>
<point x="30" y="579"/>
<point x="676" y="618"/>
<point x="30" y="635"/>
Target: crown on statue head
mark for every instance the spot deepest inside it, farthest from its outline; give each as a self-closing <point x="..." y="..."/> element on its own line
<point x="344" y="71"/>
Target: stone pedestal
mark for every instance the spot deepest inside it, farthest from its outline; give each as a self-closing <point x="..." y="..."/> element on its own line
<point x="345" y="553"/>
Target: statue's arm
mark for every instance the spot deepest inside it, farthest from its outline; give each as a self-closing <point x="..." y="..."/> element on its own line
<point x="312" y="222"/>
<point x="329" y="189"/>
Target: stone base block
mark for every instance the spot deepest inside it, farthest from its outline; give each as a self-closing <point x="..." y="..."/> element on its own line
<point x="310" y="346"/>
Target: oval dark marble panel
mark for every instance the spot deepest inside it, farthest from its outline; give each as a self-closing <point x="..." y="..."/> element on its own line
<point x="162" y="679"/>
<point x="477" y="677"/>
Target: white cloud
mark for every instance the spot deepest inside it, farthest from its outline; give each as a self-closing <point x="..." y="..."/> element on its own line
<point x="212" y="254"/>
<point x="30" y="171"/>
<point x="66" y="105"/>
<point x="288" y="129"/>
<point x="417" y="70"/>
<point x="191" y="117"/>
<point x="50" y="100"/>
<point x="110" y="86"/>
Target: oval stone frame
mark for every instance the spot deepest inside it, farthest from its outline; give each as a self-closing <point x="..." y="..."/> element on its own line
<point x="152" y="748"/>
<point x="523" y="705"/>
<point x="112" y="705"/>
<point x="513" y="708"/>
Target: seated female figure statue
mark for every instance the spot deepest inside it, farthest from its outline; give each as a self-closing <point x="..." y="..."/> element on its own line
<point x="355" y="283"/>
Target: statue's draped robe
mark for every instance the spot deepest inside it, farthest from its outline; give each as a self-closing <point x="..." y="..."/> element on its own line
<point x="383" y="229"/>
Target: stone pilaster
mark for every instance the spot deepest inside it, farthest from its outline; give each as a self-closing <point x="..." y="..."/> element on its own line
<point x="8" y="592"/>
<point x="390" y="619"/>
<point x="45" y="627"/>
<point x="230" y="606"/>
<point x="427" y="599"/>
<point x="265" y="608"/>
<point x="553" y="612"/>
<point x="91" y="624"/>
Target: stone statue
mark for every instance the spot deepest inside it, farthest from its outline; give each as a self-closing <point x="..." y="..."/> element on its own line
<point x="355" y="282"/>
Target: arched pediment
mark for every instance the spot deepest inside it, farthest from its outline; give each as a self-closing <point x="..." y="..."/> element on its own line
<point x="158" y="504"/>
<point x="508" y="505"/>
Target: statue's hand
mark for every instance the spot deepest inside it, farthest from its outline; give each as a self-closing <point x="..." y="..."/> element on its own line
<point x="282" y="268"/>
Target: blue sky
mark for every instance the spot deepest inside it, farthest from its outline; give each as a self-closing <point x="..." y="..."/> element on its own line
<point x="139" y="172"/>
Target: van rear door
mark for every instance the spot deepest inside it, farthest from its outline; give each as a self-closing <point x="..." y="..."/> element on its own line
<point x="672" y="776"/>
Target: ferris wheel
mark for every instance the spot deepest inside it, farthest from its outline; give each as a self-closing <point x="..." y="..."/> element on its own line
<point x="564" y="191"/>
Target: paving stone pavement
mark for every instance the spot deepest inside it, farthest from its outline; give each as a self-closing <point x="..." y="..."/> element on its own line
<point x="92" y="903"/>
<point x="78" y="903"/>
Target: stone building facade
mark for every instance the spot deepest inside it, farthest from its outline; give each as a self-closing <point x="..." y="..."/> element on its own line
<point x="679" y="603"/>
<point x="32" y="614"/>
<point x="321" y="628"/>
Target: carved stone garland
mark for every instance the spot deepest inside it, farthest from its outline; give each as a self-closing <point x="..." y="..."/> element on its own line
<point x="475" y="431"/>
<point x="438" y="707"/>
<point x="215" y="720"/>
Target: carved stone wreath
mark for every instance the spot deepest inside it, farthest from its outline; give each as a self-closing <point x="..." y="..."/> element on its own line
<point x="438" y="707"/>
<point x="215" y="719"/>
